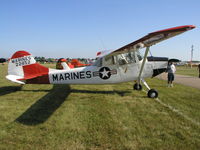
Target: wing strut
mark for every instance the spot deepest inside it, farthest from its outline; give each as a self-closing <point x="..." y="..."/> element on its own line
<point x="143" y="63"/>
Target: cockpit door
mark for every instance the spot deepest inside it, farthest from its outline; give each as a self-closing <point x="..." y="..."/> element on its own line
<point x="128" y="65"/>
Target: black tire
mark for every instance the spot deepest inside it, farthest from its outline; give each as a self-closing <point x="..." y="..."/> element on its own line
<point x="137" y="87"/>
<point x="152" y="93"/>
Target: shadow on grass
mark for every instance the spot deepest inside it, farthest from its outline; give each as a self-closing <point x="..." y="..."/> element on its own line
<point x="9" y="89"/>
<point x="40" y="111"/>
<point x="42" y="90"/>
<point x="121" y="93"/>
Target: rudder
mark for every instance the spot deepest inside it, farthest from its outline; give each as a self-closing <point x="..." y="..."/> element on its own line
<point x="22" y="66"/>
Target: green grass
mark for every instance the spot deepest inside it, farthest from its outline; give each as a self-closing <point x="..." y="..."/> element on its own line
<point x="97" y="117"/>
<point x="186" y="70"/>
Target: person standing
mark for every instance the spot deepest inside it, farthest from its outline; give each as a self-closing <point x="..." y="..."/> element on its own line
<point x="199" y="69"/>
<point x="171" y="69"/>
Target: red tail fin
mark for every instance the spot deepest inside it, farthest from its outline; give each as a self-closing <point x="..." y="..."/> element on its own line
<point x="22" y="66"/>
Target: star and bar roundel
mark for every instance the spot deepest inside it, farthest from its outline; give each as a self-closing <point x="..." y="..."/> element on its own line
<point x="105" y="73"/>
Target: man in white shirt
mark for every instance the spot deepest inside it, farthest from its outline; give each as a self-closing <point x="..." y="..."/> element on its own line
<point x="171" y="69"/>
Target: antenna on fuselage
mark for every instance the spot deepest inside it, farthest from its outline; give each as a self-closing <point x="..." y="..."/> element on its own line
<point x="102" y="44"/>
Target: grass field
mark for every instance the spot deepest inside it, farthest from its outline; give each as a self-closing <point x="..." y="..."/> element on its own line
<point x="185" y="70"/>
<point x="98" y="117"/>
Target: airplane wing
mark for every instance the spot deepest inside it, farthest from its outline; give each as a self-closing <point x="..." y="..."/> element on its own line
<point x="151" y="39"/>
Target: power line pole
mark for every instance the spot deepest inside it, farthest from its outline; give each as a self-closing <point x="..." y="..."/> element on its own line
<point x="192" y="49"/>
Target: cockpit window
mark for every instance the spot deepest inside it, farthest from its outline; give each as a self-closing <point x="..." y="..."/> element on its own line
<point x="139" y="56"/>
<point x="121" y="59"/>
<point x="110" y="60"/>
<point x="130" y="57"/>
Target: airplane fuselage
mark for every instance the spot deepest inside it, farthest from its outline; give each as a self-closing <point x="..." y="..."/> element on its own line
<point x="104" y="74"/>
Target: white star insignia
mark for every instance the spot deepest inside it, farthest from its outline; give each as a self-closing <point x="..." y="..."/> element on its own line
<point x="104" y="73"/>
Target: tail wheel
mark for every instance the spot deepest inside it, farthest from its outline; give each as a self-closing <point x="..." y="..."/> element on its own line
<point x="137" y="87"/>
<point x="152" y="93"/>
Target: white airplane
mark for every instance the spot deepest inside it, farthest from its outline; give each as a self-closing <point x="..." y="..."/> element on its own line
<point x="121" y="65"/>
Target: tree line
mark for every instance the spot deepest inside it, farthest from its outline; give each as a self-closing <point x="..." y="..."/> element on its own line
<point x="53" y="60"/>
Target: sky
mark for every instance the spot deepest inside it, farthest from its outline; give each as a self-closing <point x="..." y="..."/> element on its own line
<point x="81" y="28"/>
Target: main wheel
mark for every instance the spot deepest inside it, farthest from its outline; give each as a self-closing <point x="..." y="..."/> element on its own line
<point x="152" y="93"/>
<point x="137" y="87"/>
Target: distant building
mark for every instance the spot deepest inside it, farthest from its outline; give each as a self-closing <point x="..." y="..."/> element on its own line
<point x="193" y="63"/>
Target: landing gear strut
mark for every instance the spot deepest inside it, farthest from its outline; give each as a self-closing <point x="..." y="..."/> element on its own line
<point x="152" y="93"/>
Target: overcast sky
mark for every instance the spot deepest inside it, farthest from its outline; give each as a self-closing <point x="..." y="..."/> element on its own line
<point x="81" y="28"/>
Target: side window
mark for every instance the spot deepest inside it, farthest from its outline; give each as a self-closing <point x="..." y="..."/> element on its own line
<point x="139" y="56"/>
<point x="126" y="58"/>
<point x="110" y="60"/>
<point x="121" y="59"/>
<point x="131" y="57"/>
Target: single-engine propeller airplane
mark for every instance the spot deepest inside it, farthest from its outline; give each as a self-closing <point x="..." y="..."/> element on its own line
<point x="121" y="65"/>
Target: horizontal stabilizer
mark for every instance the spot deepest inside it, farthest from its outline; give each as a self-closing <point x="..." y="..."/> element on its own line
<point x="174" y="60"/>
<point x="14" y="78"/>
